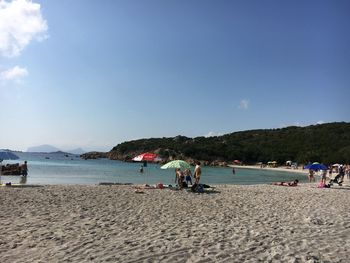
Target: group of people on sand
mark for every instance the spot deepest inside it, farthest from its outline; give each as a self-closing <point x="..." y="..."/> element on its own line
<point x="312" y="173"/>
<point x="184" y="178"/>
<point x="341" y="171"/>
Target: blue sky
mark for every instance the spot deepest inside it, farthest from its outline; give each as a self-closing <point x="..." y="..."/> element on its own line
<point x="93" y="74"/>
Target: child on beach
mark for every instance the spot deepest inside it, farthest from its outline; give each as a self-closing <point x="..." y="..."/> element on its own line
<point x="311" y="175"/>
<point x="188" y="176"/>
<point x="323" y="177"/>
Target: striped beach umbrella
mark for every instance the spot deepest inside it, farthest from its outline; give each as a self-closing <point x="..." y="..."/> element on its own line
<point x="176" y="164"/>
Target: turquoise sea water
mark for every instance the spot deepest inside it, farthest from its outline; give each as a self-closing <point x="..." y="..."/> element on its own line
<point x="57" y="168"/>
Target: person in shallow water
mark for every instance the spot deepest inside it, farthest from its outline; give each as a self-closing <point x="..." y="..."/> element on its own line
<point x="24" y="169"/>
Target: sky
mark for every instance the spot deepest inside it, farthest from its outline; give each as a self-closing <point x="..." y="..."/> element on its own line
<point x="93" y="74"/>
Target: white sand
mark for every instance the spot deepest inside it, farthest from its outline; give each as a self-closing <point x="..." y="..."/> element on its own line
<point x="114" y="224"/>
<point x="287" y="170"/>
<point x="279" y="169"/>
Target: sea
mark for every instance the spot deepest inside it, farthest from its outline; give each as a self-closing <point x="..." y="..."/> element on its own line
<point x="65" y="169"/>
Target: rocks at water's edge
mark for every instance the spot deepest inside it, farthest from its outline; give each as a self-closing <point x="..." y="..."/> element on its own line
<point x="113" y="155"/>
<point x="94" y="155"/>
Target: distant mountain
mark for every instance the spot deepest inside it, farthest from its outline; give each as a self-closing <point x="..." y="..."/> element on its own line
<point x="45" y="148"/>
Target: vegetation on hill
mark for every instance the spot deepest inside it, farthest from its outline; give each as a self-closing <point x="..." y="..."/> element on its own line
<point x="326" y="143"/>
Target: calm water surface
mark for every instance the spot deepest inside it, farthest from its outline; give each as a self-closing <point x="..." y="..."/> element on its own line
<point x="57" y="168"/>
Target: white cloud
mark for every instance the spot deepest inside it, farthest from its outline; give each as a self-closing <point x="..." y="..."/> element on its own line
<point x="244" y="104"/>
<point x="20" y="22"/>
<point x="16" y="74"/>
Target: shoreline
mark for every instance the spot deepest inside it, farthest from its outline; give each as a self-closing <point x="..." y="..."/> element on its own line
<point x="237" y="223"/>
<point x="279" y="169"/>
<point x="286" y="170"/>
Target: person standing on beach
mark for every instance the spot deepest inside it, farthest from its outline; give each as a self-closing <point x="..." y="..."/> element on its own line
<point x="311" y="176"/>
<point x="197" y="173"/>
<point x="179" y="177"/>
<point x="330" y="171"/>
<point x="188" y="176"/>
<point x="323" y="177"/>
<point x="24" y="169"/>
<point x="341" y="172"/>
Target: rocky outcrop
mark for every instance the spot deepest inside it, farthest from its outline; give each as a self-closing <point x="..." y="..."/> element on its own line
<point x="167" y="155"/>
<point x="126" y="157"/>
<point x="94" y="155"/>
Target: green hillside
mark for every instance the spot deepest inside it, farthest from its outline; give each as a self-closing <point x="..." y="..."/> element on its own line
<point x="327" y="143"/>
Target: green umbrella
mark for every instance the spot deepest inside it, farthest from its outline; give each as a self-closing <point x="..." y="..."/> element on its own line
<point x="176" y="164"/>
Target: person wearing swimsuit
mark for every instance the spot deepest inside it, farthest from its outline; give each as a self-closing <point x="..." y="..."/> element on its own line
<point x="197" y="173"/>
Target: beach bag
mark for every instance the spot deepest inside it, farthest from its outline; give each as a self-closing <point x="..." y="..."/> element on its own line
<point x="197" y="188"/>
<point x="160" y="186"/>
<point x="200" y="189"/>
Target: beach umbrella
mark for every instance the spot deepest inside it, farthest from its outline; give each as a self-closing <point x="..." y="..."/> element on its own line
<point x="148" y="157"/>
<point x="316" y="166"/>
<point x="176" y="164"/>
<point x="145" y="157"/>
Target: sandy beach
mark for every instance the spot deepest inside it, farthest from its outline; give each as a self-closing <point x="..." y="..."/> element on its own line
<point x="267" y="168"/>
<point x="259" y="223"/>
